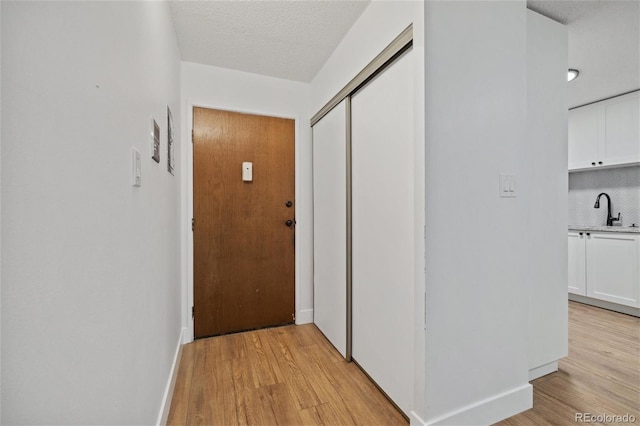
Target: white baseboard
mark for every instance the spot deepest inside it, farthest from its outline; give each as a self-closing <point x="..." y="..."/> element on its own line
<point x="187" y="332"/>
<point x="415" y="420"/>
<point x="171" y="384"/>
<point x="304" y="317"/>
<point x="629" y="310"/>
<point x="488" y="411"/>
<point x="543" y="370"/>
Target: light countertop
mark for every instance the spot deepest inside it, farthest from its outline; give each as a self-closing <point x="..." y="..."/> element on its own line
<point x="629" y="229"/>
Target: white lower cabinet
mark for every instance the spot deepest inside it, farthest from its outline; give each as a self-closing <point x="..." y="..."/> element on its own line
<point x="613" y="271"/>
<point x="605" y="266"/>
<point x="577" y="259"/>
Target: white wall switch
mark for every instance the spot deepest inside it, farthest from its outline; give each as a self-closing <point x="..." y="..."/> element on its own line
<point x="247" y="171"/>
<point x="507" y="185"/>
<point x="136" y="167"/>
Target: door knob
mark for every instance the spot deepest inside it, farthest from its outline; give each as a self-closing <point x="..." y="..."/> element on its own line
<point x="289" y="222"/>
<point x="289" y="204"/>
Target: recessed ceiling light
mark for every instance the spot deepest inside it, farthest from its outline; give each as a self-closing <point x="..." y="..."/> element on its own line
<point x="572" y="75"/>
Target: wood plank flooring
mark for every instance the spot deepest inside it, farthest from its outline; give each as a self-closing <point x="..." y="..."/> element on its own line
<point x="293" y="376"/>
<point x="279" y="376"/>
<point x="601" y="375"/>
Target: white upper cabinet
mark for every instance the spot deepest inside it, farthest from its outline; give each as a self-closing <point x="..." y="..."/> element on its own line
<point x="583" y="136"/>
<point x="621" y="130"/>
<point x="605" y="134"/>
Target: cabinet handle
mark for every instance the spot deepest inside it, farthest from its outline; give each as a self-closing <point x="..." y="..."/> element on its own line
<point x="599" y="162"/>
<point x="588" y="234"/>
<point x="593" y="163"/>
<point x="580" y="233"/>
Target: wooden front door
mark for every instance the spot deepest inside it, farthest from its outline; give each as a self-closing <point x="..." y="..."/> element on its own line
<point x="244" y="231"/>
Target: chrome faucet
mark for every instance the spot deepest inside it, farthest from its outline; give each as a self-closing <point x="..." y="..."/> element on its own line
<point x="610" y="219"/>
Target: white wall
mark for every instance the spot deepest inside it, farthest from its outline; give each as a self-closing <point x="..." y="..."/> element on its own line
<point x="543" y="161"/>
<point x="476" y="302"/>
<point x="90" y="265"/>
<point x="226" y="89"/>
<point x="379" y="24"/>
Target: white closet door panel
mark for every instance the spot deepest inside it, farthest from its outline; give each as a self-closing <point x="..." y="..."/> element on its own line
<point x="383" y="233"/>
<point x="329" y="223"/>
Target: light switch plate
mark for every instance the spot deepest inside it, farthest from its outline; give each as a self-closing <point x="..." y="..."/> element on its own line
<point x="136" y="167"/>
<point x="507" y="187"/>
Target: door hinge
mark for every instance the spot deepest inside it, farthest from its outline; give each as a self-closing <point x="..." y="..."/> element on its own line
<point x="193" y="224"/>
<point x="191" y="135"/>
<point x="293" y="316"/>
<point x="193" y="312"/>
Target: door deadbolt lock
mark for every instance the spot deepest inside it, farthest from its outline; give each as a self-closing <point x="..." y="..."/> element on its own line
<point x="289" y="222"/>
<point x="289" y="204"/>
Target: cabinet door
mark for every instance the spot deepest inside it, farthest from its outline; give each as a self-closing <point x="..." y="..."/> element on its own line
<point x="613" y="268"/>
<point x="583" y="137"/>
<point x="577" y="263"/>
<point x="620" y="134"/>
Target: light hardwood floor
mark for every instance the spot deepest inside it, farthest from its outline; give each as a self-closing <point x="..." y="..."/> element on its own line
<point x="279" y="376"/>
<point x="293" y="376"/>
<point x="601" y="375"/>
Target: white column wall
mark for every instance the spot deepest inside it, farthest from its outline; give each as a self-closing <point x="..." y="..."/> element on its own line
<point x="476" y="301"/>
<point x="544" y="185"/>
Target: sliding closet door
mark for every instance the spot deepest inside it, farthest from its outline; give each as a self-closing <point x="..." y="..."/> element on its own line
<point x="329" y="226"/>
<point x="383" y="229"/>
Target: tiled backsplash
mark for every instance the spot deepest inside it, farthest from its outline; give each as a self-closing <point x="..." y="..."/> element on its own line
<point x="622" y="185"/>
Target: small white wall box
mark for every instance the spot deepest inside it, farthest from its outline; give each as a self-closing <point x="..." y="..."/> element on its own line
<point x="136" y="167"/>
<point x="247" y="171"/>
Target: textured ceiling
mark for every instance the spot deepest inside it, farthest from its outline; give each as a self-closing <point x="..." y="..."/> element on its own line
<point x="293" y="39"/>
<point x="604" y="45"/>
<point x="286" y="39"/>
